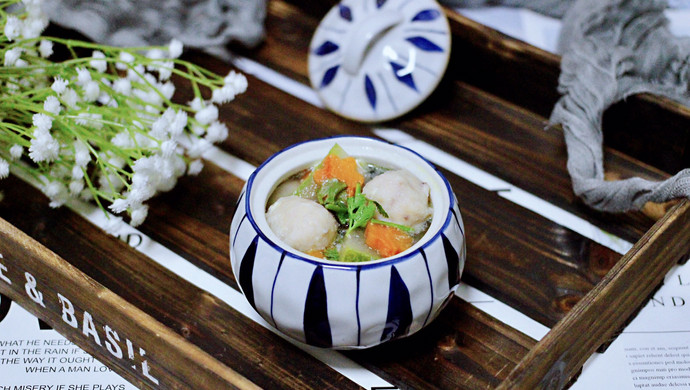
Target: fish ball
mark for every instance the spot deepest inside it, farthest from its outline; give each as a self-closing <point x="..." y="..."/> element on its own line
<point x="402" y="195"/>
<point x="302" y="223"/>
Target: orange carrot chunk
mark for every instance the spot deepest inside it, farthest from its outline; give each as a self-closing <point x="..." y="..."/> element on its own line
<point x="316" y="253"/>
<point x="343" y="169"/>
<point x="386" y="240"/>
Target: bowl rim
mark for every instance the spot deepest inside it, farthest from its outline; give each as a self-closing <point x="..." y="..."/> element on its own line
<point x="293" y="253"/>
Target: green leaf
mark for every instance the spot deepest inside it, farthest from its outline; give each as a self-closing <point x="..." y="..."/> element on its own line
<point x="360" y="210"/>
<point x="404" y="228"/>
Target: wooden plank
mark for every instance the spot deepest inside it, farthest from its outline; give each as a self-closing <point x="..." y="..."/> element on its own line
<point x="143" y="350"/>
<point x="606" y="308"/>
<point x="201" y="318"/>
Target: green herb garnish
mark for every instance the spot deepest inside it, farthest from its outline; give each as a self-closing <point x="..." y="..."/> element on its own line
<point x="404" y="228"/>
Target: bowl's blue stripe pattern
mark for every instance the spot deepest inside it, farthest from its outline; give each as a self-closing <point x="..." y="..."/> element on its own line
<point x="335" y="300"/>
<point x="431" y="287"/>
<point x="399" y="316"/>
<point x="317" y="329"/>
<point x="247" y="271"/>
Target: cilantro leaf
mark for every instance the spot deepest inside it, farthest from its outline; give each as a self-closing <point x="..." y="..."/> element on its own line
<point x="360" y="210"/>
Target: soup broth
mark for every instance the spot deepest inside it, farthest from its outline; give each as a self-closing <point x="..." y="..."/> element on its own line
<point x="347" y="209"/>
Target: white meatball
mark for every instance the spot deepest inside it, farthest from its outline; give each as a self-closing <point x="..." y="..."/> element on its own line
<point x="302" y="223"/>
<point x="402" y="195"/>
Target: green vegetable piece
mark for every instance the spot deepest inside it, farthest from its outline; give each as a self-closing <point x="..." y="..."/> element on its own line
<point x="330" y="190"/>
<point x="355" y="256"/>
<point x="354" y="249"/>
<point x="331" y="254"/>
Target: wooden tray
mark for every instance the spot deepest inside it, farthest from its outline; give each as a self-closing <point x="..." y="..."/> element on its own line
<point x="158" y="330"/>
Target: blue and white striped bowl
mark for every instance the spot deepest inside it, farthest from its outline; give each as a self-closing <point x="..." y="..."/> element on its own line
<point x="346" y="305"/>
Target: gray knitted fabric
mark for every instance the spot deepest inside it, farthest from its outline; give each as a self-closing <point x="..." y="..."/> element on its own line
<point x="205" y="24"/>
<point x="611" y="49"/>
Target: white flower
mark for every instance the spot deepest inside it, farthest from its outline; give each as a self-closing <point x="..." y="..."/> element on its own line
<point x="13" y="27"/>
<point x="91" y="91"/>
<point x="119" y="205"/>
<point x="155" y="54"/>
<point x="123" y="86"/>
<point x="45" y="48"/>
<point x="216" y="132"/>
<point x="34" y="26"/>
<point x="42" y="122"/>
<point x="139" y="214"/>
<point x="107" y="100"/>
<point x="76" y="187"/>
<point x="22" y="64"/>
<point x="168" y="148"/>
<point x="70" y="97"/>
<point x="82" y="156"/>
<point x="114" y="160"/>
<point x="52" y="105"/>
<point x="113" y="225"/>
<point x="199" y="146"/>
<point x="207" y="114"/>
<point x="16" y="151"/>
<point x="167" y="89"/>
<point x="110" y="182"/>
<point x="83" y="76"/>
<point x="175" y="48"/>
<point x="57" y="193"/>
<point x="59" y="85"/>
<point x="125" y="59"/>
<point x="98" y="63"/>
<point x="12" y="55"/>
<point x="137" y="73"/>
<point x="178" y="124"/>
<point x="77" y="173"/>
<point x="43" y="148"/>
<point x="159" y="128"/>
<point x="122" y="140"/>
<point x="4" y="168"/>
<point x="196" y="104"/>
<point x="223" y="95"/>
<point x="195" y="167"/>
<point x="237" y="81"/>
<point x="165" y="70"/>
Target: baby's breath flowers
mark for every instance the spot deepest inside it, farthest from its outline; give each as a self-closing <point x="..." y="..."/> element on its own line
<point x="102" y="125"/>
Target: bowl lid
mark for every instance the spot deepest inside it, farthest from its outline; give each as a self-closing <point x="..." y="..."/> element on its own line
<point x="374" y="60"/>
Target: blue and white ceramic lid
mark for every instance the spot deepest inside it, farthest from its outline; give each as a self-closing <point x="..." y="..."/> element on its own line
<point x="374" y="60"/>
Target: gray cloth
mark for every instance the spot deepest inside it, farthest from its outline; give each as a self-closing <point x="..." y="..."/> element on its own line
<point x="205" y="24"/>
<point x="611" y="49"/>
<point x="553" y="8"/>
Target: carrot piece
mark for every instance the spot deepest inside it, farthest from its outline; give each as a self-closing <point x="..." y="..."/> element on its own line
<point x="343" y="169"/>
<point x="386" y="240"/>
<point x="316" y="253"/>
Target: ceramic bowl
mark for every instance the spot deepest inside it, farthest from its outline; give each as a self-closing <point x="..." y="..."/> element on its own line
<point x="346" y="305"/>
